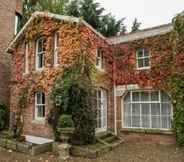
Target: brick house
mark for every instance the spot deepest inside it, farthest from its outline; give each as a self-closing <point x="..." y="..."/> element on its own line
<point x="10" y="13"/>
<point x="126" y="99"/>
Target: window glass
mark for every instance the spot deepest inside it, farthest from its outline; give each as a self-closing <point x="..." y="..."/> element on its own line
<point x="135" y="96"/>
<point x="154" y="96"/>
<point x="127" y="97"/>
<point x="145" y="96"/>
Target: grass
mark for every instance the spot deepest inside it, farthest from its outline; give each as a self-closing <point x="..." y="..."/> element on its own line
<point x="137" y="151"/>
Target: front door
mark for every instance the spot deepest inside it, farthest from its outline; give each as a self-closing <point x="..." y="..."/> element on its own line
<point x="101" y="110"/>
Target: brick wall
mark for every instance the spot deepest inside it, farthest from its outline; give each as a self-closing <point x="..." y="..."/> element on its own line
<point x="7" y="24"/>
<point x="44" y="80"/>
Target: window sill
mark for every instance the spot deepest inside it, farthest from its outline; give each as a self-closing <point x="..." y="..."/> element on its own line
<point x="101" y="70"/>
<point x="25" y="74"/>
<point x="40" y="122"/>
<point x="145" y="68"/>
<point x="147" y="131"/>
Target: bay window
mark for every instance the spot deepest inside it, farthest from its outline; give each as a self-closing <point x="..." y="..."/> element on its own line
<point x="147" y="109"/>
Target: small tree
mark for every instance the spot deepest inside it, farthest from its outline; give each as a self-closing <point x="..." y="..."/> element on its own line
<point x="73" y="9"/>
<point x="136" y="25"/>
<point x="54" y="6"/>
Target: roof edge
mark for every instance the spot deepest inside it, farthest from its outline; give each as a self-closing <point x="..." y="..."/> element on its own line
<point x="142" y="34"/>
<point x="54" y="16"/>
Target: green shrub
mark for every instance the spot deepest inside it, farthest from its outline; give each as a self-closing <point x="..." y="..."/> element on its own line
<point x="3" y="116"/>
<point x="178" y="124"/>
<point x="65" y="121"/>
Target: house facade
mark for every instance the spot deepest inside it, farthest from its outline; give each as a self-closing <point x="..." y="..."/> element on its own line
<point x="126" y="96"/>
<point x="10" y="12"/>
<point x="140" y="103"/>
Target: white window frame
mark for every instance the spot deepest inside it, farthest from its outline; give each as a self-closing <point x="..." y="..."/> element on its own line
<point x="26" y="58"/>
<point x="150" y="116"/>
<point x="56" y="48"/>
<point x="40" y="53"/>
<point x="16" y="23"/>
<point x="99" y="56"/>
<point x="37" y="105"/>
<point x="103" y="110"/>
<point x="142" y="58"/>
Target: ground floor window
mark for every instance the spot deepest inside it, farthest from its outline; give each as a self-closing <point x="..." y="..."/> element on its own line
<point x="101" y="110"/>
<point x="39" y="105"/>
<point x="147" y="109"/>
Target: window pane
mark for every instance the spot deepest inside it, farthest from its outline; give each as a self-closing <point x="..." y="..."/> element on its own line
<point x="127" y="97"/>
<point x="155" y="121"/>
<point x="43" y="98"/>
<point x="155" y="109"/>
<point x="140" y="63"/>
<point x="146" y="53"/>
<point x="164" y="97"/>
<point x="136" y="121"/>
<point x="140" y="53"/>
<point x="165" y="122"/>
<point x="40" y="60"/>
<point x="166" y="109"/>
<point x="146" y="62"/>
<point x="146" y="121"/>
<point x="154" y="96"/>
<point x="127" y="121"/>
<point x="40" y="45"/>
<point x="136" y="109"/>
<point x="40" y="111"/>
<point x="144" y="96"/>
<point x="145" y="109"/>
<point x="135" y="96"/>
<point x="39" y="97"/>
<point x="127" y="109"/>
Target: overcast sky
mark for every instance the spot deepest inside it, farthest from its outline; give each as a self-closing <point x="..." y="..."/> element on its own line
<point x="149" y="12"/>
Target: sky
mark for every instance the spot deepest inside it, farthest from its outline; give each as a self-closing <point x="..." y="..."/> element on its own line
<point x="149" y="12"/>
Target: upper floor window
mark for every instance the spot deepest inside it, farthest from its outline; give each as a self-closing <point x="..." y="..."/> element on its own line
<point x="143" y="59"/>
<point x="26" y="58"/>
<point x="17" y="23"/>
<point x="56" y="47"/>
<point x="39" y="106"/>
<point x="100" y="61"/>
<point x="40" y="51"/>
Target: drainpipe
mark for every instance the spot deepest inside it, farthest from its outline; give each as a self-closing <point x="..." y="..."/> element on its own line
<point x="115" y="110"/>
<point x="115" y="101"/>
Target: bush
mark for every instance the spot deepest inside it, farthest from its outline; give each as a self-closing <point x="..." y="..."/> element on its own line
<point x="83" y="115"/>
<point x="3" y="116"/>
<point x="65" y="121"/>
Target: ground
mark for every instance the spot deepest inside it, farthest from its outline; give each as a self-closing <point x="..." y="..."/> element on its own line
<point x="136" y="151"/>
